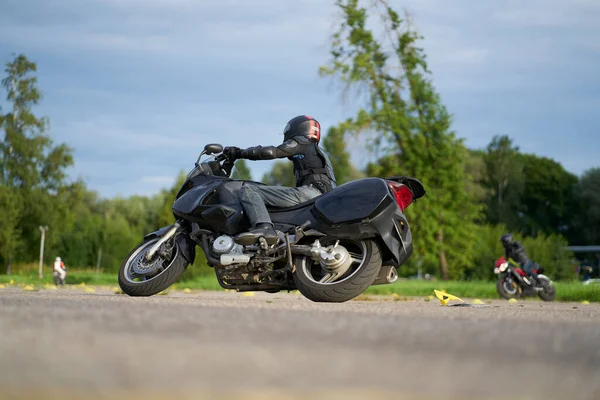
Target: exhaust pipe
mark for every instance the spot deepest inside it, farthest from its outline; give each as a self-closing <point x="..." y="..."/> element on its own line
<point x="387" y="274"/>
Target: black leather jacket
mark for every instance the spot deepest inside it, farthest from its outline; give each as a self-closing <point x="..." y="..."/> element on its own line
<point x="311" y="164"/>
<point x="516" y="251"/>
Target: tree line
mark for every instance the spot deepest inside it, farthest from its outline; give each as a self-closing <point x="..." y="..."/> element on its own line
<point x="474" y="195"/>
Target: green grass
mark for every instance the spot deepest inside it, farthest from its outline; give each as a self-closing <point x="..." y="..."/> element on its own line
<point x="73" y="278"/>
<point x="565" y="291"/>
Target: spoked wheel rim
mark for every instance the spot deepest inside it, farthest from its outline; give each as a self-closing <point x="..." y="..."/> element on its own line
<point x="319" y="275"/>
<point x="139" y="270"/>
<point x="510" y="287"/>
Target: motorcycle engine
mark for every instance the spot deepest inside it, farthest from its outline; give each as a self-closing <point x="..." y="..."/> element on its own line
<point x="229" y="251"/>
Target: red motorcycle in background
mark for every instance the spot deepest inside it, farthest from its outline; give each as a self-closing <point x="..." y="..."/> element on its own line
<point x="514" y="283"/>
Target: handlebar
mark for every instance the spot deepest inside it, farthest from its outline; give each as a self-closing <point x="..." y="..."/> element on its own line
<point x="220" y="165"/>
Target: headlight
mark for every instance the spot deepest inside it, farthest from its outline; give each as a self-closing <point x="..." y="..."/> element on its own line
<point x="503" y="267"/>
<point x="496" y="270"/>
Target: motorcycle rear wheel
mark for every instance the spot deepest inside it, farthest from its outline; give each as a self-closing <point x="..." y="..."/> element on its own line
<point x="346" y="287"/>
<point x="156" y="280"/>
<point x="549" y="292"/>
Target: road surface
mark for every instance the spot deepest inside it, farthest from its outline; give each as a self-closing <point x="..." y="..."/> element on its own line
<point x="68" y="344"/>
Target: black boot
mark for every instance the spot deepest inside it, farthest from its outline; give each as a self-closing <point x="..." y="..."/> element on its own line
<point x="261" y="230"/>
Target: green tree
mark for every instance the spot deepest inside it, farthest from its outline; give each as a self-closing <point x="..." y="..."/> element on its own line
<point x="586" y="220"/>
<point x="167" y="198"/>
<point x="281" y="174"/>
<point x="504" y="181"/>
<point x="386" y="166"/>
<point x="241" y="171"/>
<point x="30" y="164"/>
<point x="476" y="173"/>
<point x="10" y="205"/>
<point x="405" y="113"/>
<point x="140" y="212"/>
<point x="547" y="199"/>
<point x="335" y="146"/>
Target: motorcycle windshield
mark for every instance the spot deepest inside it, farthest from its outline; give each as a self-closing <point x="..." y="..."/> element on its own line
<point x="204" y="166"/>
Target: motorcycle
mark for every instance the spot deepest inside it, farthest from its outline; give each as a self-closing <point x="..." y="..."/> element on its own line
<point x="59" y="279"/>
<point x="514" y="283"/>
<point x="330" y="248"/>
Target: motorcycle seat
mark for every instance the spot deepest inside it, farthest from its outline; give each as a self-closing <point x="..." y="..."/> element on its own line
<point x="300" y="206"/>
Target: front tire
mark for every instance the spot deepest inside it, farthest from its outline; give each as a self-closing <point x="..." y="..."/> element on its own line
<point x="508" y="288"/>
<point x="348" y="286"/>
<point x="158" y="275"/>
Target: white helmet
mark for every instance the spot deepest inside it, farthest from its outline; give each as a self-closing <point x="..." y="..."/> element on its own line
<point x="57" y="259"/>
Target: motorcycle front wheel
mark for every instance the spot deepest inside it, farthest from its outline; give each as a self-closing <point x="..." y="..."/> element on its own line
<point x="139" y="277"/>
<point x="315" y="284"/>
<point x="507" y="288"/>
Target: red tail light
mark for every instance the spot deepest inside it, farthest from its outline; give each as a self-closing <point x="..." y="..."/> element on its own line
<point x="402" y="194"/>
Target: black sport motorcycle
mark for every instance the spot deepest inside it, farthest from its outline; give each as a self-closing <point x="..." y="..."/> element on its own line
<point x="330" y="248"/>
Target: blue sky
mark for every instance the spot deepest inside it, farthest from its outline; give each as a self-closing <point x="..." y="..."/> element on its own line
<point x="137" y="87"/>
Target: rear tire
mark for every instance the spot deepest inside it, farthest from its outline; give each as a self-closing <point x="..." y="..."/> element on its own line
<point x="348" y="288"/>
<point x="549" y="292"/>
<point x="154" y="284"/>
<point x="504" y="292"/>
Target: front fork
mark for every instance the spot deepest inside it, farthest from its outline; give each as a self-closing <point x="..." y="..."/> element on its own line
<point x="170" y="233"/>
<point x="185" y="243"/>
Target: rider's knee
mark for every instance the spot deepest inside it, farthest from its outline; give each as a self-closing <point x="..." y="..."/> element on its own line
<point x="247" y="189"/>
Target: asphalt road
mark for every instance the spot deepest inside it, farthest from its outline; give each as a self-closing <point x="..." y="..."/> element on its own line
<point x="68" y="344"/>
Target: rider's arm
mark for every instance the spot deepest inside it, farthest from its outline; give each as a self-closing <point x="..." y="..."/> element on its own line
<point x="286" y="149"/>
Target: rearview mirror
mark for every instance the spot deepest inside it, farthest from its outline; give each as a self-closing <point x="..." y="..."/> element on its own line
<point x="213" y="148"/>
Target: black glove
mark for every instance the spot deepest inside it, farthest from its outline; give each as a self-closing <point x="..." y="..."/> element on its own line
<point x="233" y="153"/>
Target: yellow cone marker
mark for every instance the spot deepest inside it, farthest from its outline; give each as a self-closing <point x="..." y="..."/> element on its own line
<point x="89" y="290"/>
<point x="248" y="294"/>
<point x="187" y="290"/>
<point x="2" y="286"/>
<point x="445" y="297"/>
<point x="11" y="282"/>
<point x="585" y="302"/>
<point x="477" y="301"/>
<point x="29" y="288"/>
<point x="512" y="301"/>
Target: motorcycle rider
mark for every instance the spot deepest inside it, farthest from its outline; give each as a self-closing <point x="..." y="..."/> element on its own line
<point x="59" y="270"/>
<point x="515" y="250"/>
<point x="312" y="170"/>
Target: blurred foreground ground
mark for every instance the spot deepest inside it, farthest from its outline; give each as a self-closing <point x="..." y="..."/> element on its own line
<point x="69" y="343"/>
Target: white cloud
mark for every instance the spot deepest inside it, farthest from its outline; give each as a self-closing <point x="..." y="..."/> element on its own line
<point x="151" y="81"/>
<point x="159" y="180"/>
<point x="582" y="14"/>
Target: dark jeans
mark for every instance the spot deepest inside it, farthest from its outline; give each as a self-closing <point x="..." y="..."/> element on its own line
<point x="256" y="198"/>
<point x="529" y="267"/>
